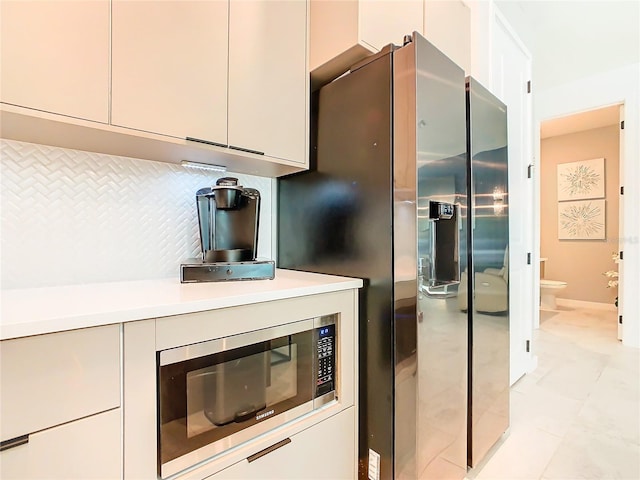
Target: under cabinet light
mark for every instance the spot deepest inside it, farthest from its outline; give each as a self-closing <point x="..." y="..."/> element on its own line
<point x="203" y="166"/>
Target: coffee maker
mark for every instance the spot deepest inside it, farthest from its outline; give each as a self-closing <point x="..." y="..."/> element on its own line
<point x="228" y="217"/>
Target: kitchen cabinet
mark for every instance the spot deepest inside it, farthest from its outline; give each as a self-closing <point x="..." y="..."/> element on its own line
<point x="324" y="451"/>
<point x="447" y="24"/>
<point x="79" y="364"/>
<point x="230" y="73"/>
<point x="268" y="77"/>
<point x="333" y="425"/>
<point x="40" y="372"/>
<point x="169" y="67"/>
<point x="139" y="384"/>
<point x="55" y="56"/>
<point x="137" y="79"/>
<point x="59" y="401"/>
<point x="343" y="32"/>
<point x="384" y="22"/>
<point x="85" y="449"/>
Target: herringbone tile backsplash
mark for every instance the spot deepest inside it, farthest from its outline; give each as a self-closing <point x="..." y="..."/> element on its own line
<point x="70" y="217"/>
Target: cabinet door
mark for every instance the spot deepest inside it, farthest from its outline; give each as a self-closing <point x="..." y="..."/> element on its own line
<point x="325" y="451"/>
<point x="268" y="77"/>
<point x="85" y="449"/>
<point x="169" y="67"/>
<point x="343" y="32"/>
<point x="447" y="25"/>
<point x="386" y="21"/>
<point x="47" y="380"/>
<point x="55" y="56"/>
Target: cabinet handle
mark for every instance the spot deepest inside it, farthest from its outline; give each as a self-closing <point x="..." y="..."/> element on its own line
<point x="215" y="144"/>
<point x="268" y="450"/>
<point x="206" y="142"/>
<point x="14" y="442"/>
<point x="256" y="152"/>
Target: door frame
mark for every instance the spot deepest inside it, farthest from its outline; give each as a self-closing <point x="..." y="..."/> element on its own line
<point x="616" y="86"/>
<point x="528" y="360"/>
<point x="620" y="176"/>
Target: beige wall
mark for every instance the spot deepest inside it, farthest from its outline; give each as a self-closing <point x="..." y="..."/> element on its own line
<point x="580" y="263"/>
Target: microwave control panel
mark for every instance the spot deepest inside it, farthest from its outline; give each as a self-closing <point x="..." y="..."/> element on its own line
<point x="326" y="359"/>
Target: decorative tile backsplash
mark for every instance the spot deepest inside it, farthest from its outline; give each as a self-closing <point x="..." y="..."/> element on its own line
<point x="70" y="217"/>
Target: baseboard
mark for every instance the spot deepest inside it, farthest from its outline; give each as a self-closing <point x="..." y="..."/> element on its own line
<point x="567" y="302"/>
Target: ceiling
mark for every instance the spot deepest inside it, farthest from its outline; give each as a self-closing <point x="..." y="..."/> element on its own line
<point x="602" y="117"/>
<point x="573" y="39"/>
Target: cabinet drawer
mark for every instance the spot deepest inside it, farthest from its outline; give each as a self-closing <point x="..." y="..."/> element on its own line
<point x="84" y="449"/>
<point x="51" y="379"/>
<point x="302" y="458"/>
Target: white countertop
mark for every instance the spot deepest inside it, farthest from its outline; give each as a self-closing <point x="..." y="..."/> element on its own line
<point x="34" y="311"/>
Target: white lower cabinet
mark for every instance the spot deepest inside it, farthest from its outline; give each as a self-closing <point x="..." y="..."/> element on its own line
<point x="60" y="405"/>
<point x="88" y="403"/>
<point x="195" y="337"/>
<point x="48" y="380"/>
<point x="325" y="450"/>
<point x="88" y="448"/>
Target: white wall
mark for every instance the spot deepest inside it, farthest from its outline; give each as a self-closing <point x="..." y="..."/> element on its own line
<point x="71" y="217"/>
<point x="617" y="86"/>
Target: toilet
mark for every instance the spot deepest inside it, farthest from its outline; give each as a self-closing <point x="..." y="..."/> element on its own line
<point x="548" y="291"/>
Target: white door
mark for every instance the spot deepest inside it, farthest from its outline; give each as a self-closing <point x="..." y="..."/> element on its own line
<point x="511" y="72"/>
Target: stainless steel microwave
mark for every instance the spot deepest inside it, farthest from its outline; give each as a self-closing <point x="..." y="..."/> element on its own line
<point x="218" y="394"/>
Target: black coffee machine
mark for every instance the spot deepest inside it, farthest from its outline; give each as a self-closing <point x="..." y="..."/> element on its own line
<point x="228" y="219"/>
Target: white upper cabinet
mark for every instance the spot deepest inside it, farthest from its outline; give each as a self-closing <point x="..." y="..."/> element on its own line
<point x="339" y="26"/>
<point x="447" y="24"/>
<point x="268" y="80"/>
<point x="230" y="73"/>
<point x="55" y="56"/>
<point x="169" y="67"/>
<point x="387" y="21"/>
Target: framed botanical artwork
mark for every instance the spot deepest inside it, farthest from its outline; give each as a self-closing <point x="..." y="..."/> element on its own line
<point x="581" y="180"/>
<point x="581" y="220"/>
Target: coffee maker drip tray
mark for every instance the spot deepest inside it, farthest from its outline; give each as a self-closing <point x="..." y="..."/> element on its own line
<point x="195" y="270"/>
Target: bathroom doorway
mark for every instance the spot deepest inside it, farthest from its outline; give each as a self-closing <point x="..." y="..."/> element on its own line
<point x="580" y="213"/>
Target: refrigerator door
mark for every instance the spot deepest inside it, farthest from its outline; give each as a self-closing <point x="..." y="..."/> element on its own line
<point x="405" y="262"/>
<point x="337" y="218"/>
<point x="434" y="140"/>
<point x="489" y="321"/>
<point x="390" y="136"/>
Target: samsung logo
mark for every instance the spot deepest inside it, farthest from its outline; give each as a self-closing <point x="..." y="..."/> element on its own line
<point x="265" y="414"/>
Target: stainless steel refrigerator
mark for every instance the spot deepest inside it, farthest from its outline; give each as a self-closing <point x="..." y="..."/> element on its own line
<point x="386" y="200"/>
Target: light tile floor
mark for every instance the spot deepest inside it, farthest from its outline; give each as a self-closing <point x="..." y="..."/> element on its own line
<point x="577" y="416"/>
